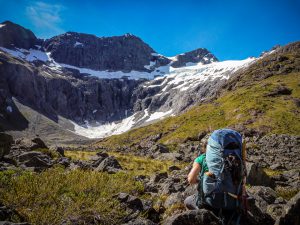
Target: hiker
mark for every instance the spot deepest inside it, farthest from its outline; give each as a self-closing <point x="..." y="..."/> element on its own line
<point x="220" y="174"/>
<point x="193" y="177"/>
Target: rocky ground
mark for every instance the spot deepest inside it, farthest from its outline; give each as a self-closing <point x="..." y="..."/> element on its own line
<point x="270" y="193"/>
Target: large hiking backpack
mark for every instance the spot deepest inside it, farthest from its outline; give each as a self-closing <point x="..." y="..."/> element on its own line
<point x="222" y="187"/>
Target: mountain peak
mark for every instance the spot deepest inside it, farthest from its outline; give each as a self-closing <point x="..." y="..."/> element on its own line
<point x="196" y="56"/>
<point x="14" y="35"/>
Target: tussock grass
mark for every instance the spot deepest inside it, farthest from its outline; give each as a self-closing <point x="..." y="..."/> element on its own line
<point x="138" y="165"/>
<point x="55" y="195"/>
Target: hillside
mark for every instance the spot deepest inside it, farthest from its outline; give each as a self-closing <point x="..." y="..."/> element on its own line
<point x="263" y="99"/>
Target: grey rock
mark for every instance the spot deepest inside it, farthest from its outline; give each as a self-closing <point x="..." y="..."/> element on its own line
<point x="13" y="35"/>
<point x="192" y="217"/>
<point x="119" y="53"/>
<point x="158" y="177"/>
<point x="174" y="198"/>
<point x="5" y="144"/>
<point x="64" y="161"/>
<point x="291" y="214"/>
<point x="172" y="168"/>
<point x="140" y="221"/>
<point x="256" y="176"/>
<point x="110" y="165"/>
<point x="199" y="55"/>
<point x="262" y="197"/>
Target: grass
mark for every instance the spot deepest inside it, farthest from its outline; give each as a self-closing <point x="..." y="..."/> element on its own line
<point x="55" y="195"/>
<point x="247" y="105"/>
<point x="136" y="164"/>
<point x="286" y="193"/>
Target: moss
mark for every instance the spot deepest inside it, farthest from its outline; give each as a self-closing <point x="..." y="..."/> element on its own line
<point x="286" y="193"/>
<point x="272" y="173"/>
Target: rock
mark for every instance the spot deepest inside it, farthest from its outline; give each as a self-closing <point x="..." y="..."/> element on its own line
<point x="119" y="53"/>
<point x="29" y="155"/>
<point x="12" y="223"/>
<point x="140" y="221"/>
<point x="13" y="34"/>
<point x="291" y="214"/>
<point x="277" y="166"/>
<point x="174" y="198"/>
<point x="64" y="161"/>
<point x="5" y="144"/>
<point x="160" y="148"/>
<point x="110" y="165"/>
<point x="169" y="156"/>
<point x="158" y="177"/>
<point x="193" y="217"/>
<point x="280" y="90"/>
<point x="37" y="163"/>
<point x="7" y="214"/>
<point x="37" y="143"/>
<point x="172" y="168"/>
<point x="258" y="204"/>
<point x="256" y="176"/>
<point x="199" y="55"/>
<point x="60" y="150"/>
<point x="30" y="144"/>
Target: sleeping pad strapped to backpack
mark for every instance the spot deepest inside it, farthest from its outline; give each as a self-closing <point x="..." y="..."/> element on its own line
<point x="221" y="187"/>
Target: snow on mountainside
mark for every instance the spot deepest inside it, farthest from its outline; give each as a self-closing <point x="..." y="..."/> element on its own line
<point x="136" y="85"/>
<point x="179" y="81"/>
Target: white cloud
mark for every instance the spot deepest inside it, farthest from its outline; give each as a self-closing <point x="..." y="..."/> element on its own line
<point x="46" y="17"/>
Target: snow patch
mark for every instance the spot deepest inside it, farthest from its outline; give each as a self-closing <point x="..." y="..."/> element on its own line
<point x="104" y="130"/>
<point x="28" y="55"/>
<point x="78" y="44"/>
<point x="2" y="25"/>
<point x="158" y="115"/>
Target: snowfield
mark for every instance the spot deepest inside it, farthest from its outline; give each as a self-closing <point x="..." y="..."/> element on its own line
<point x="166" y="77"/>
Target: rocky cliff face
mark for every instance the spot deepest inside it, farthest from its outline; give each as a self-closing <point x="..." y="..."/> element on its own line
<point x="123" y="53"/>
<point x="94" y="81"/>
<point x="199" y="55"/>
<point x="13" y="35"/>
<point x="56" y="93"/>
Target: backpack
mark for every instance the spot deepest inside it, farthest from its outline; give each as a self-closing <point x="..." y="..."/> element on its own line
<point x="224" y="188"/>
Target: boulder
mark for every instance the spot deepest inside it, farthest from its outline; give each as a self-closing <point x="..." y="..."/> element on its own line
<point x="60" y="150"/>
<point x="140" y="221"/>
<point x="30" y="144"/>
<point x="257" y="176"/>
<point x="172" y="168"/>
<point x="64" y="161"/>
<point x="258" y="204"/>
<point x="110" y="165"/>
<point x="158" y="177"/>
<point x="291" y="214"/>
<point x="193" y="217"/>
<point x="174" y="198"/>
<point x="5" y="144"/>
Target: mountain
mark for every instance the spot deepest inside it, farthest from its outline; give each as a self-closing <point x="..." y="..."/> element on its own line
<point x="149" y="117"/>
<point x="95" y="87"/>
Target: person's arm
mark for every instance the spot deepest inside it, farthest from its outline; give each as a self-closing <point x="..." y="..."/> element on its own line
<point x="194" y="173"/>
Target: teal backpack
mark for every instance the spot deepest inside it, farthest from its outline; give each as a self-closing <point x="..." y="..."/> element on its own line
<point x="223" y="188"/>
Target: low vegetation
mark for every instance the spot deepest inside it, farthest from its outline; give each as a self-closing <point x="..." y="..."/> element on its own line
<point x="247" y="105"/>
<point x="53" y="196"/>
<point x="136" y="164"/>
<point x="57" y="195"/>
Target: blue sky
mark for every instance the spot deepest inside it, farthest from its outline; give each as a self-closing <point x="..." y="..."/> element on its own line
<point x="229" y="29"/>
